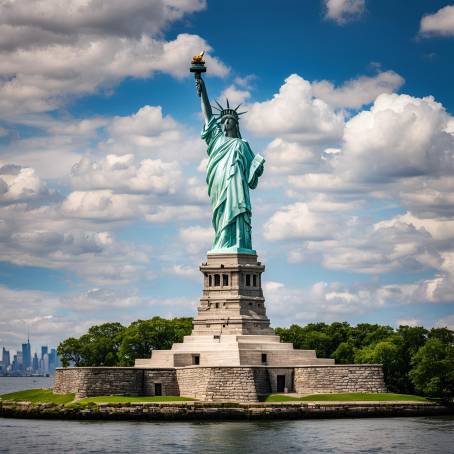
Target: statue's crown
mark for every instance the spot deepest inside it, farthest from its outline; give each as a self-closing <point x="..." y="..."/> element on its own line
<point x="228" y="112"/>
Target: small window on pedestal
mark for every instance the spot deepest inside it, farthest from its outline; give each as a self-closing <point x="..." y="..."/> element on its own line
<point x="209" y="281"/>
<point x="217" y="280"/>
<point x="254" y="280"/>
<point x="225" y="280"/>
<point x="248" y="280"/>
<point x="196" y="360"/>
<point x="264" y="358"/>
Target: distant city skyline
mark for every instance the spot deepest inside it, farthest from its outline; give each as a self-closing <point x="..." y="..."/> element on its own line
<point x="26" y="362"/>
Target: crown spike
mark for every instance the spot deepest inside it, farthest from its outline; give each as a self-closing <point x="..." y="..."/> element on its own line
<point x="228" y="105"/>
<point x="221" y="108"/>
<point x="217" y="108"/>
<point x="241" y="113"/>
<point x="236" y="108"/>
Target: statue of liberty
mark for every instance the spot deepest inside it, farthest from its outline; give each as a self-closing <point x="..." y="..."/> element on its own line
<point x="232" y="170"/>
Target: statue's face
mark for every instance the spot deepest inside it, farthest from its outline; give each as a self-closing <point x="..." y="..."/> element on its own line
<point x="229" y="125"/>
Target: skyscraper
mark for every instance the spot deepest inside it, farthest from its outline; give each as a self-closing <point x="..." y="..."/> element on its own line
<point x="26" y="355"/>
<point x="6" y="358"/>
<point x="44" y="360"/>
<point x="52" y="360"/>
<point x="35" y="363"/>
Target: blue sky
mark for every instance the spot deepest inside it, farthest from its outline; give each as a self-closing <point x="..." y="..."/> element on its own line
<point x="104" y="211"/>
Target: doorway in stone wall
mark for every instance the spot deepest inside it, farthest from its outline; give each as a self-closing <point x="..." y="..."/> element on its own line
<point x="280" y="383"/>
<point x="158" y="389"/>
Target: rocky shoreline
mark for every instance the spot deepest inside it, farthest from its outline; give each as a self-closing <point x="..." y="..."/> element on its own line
<point x="219" y="410"/>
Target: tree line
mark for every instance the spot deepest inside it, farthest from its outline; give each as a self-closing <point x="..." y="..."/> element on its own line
<point x="415" y="359"/>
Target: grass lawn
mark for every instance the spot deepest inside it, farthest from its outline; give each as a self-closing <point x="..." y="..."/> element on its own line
<point x="47" y="396"/>
<point x="124" y="399"/>
<point x="38" y="395"/>
<point x="345" y="397"/>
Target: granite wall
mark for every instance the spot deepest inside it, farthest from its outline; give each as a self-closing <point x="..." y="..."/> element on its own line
<point x="108" y="381"/>
<point x="99" y="381"/>
<point x="167" y="378"/>
<point x="339" y="379"/>
<point x="244" y="384"/>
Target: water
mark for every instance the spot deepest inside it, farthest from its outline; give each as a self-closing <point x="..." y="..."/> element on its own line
<point x="422" y="435"/>
<point x="391" y="435"/>
<point x="11" y="384"/>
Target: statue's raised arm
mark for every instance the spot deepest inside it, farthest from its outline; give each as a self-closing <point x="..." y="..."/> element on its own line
<point x="198" y="67"/>
<point x="204" y="100"/>
<point x="232" y="170"/>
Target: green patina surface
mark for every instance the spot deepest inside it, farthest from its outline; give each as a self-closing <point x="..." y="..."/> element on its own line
<point x="232" y="170"/>
<point x="347" y="397"/>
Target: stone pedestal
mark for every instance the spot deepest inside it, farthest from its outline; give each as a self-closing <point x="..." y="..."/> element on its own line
<point x="231" y="328"/>
<point x="232" y="300"/>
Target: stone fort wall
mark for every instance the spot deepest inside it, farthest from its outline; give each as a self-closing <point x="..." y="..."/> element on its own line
<point x="245" y="384"/>
<point x="339" y="379"/>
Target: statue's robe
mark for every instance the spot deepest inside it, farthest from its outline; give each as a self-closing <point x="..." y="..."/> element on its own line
<point x="232" y="169"/>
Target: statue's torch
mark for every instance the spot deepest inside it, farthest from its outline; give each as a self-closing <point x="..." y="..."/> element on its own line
<point x="198" y="67"/>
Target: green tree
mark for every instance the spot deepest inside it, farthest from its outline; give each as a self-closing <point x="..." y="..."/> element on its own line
<point x="433" y="369"/>
<point x="365" y="334"/>
<point x="320" y="342"/>
<point x="98" y="347"/>
<point x="344" y="353"/>
<point x="143" y="336"/>
<point x="413" y="338"/>
<point x="70" y="352"/>
<point x="101" y="344"/>
<point x="445" y="335"/>
<point x="295" y="334"/>
<point x="387" y="352"/>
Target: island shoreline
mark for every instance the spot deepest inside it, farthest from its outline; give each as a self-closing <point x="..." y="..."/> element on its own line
<point x="178" y="411"/>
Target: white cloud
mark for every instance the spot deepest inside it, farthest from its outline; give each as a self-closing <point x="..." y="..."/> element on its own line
<point x="286" y="158"/>
<point x="440" y="23"/>
<point x="50" y="318"/>
<point x="101" y="299"/>
<point x="150" y="133"/>
<point x="166" y="213"/>
<point x="196" y="239"/>
<point x="52" y="51"/>
<point x="408" y="322"/>
<point x="26" y="311"/>
<point x="235" y="95"/>
<point x="343" y="11"/>
<point x="18" y="184"/>
<point x="102" y="204"/>
<point x="48" y="237"/>
<point x="440" y="229"/>
<point x="98" y="17"/>
<point x="322" y="301"/>
<point x="297" y="221"/>
<point x="399" y="137"/>
<point x="185" y="271"/>
<point x="357" y="92"/>
<point x="121" y="173"/>
<point x="41" y="79"/>
<point x="295" y="114"/>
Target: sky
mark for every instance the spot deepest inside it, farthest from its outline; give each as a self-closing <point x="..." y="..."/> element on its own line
<point x="104" y="212"/>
